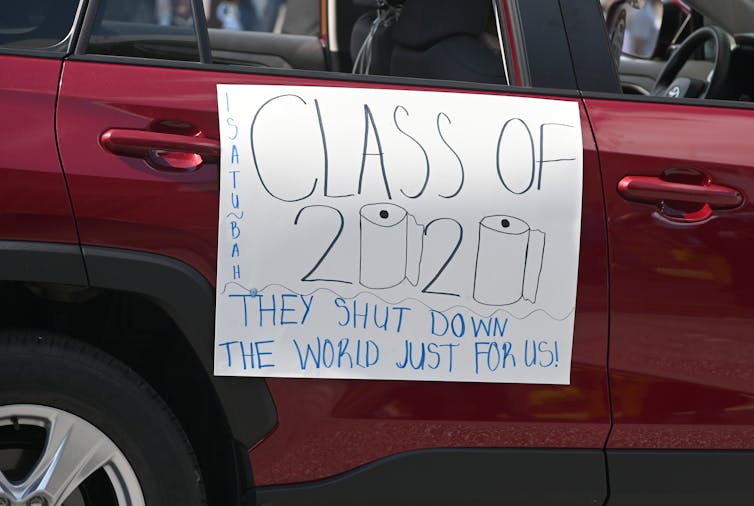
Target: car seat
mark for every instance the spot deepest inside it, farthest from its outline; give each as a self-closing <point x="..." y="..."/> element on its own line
<point x="371" y="37"/>
<point x="442" y="39"/>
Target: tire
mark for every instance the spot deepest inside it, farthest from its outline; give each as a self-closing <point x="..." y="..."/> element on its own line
<point x="120" y="444"/>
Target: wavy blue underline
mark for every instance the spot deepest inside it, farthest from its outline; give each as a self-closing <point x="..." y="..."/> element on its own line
<point x="457" y="306"/>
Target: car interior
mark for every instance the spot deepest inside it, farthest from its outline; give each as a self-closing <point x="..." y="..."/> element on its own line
<point x="688" y="49"/>
<point x="436" y="39"/>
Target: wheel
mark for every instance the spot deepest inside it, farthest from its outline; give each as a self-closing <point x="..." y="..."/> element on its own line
<point x="79" y="428"/>
<point x="668" y="84"/>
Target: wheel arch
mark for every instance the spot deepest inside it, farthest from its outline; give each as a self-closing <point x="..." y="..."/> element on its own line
<point x="189" y="300"/>
<point x="239" y="407"/>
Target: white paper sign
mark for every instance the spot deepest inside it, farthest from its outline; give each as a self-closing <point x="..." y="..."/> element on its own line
<point x="389" y="234"/>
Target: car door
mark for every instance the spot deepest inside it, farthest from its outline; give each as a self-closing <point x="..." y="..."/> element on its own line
<point x="140" y="136"/>
<point x="680" y="352"/>
<point x="677" y="177"/>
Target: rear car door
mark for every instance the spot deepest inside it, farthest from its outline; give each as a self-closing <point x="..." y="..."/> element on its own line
<point x="140" y="134"/>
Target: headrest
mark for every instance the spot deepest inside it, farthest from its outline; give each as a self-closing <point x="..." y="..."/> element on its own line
<point x="424" y="22"/>
<point x="376" y="4"/>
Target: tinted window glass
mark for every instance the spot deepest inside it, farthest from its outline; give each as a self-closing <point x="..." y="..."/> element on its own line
<point x="36" y="24"/>
<point x="430" y="39"/>
<point x="161" y="29"/>
<point x="452" y="40"/>
<point x="299" y="17"/>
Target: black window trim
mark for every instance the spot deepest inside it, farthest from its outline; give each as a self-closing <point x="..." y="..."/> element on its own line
<point x="326" y="75"/>
<point x="589" y="49"/>
<point x="651" y="99"/>
<point x="32" y="53"/>
<point x="201" y="31"/>
<point x="87" y="26"/>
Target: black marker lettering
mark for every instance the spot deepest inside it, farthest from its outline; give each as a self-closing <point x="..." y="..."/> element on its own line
<point x="460" y="163"/>
<point x="499" y="144"/>
<point x="449" y="259"/>
<point x="327" y="251"/>
<point x="424" y="152"/>
<point x="324" y="150"/>
<point x="542" y="150"/>
<point x="369" y="120"/>
<point x="254" y="154"/>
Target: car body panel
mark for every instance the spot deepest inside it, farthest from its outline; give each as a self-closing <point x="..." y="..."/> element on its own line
<point x="33" y="193"/>
<point x="681" y="292"/>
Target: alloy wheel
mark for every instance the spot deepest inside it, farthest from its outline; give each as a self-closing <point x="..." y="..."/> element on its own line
<point x="50" y="457"/>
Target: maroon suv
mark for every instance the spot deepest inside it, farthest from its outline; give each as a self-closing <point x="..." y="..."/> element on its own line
<point x="119" y="387"/>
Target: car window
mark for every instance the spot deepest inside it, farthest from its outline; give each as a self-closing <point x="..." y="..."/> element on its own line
<point x="160" y="29"/>
<point x="299" y="17"/>
<point x="37" y="24"/>
<point x="641" y="24"/>
<point x="449" y="40"/>
<point x="675" y="49"/>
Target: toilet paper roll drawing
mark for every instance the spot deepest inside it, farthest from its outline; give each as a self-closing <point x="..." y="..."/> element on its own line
<point x="509" y="261"/>
<point x="391" y="246"/>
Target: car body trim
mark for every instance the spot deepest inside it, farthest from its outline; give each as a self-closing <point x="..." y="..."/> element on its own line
<point x="706" y="103"/>
<point x="544" y="52"/>
<point x="40" y="262"/>
<point x="189" y="299"/>
<point x="32" y="53"/>
<point x="459" y="476"/>
<point x="680" y="477"/>
<point x="587" y="39"/>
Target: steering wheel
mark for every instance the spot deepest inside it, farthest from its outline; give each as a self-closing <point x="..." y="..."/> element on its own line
<point x="669" y="84"/>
